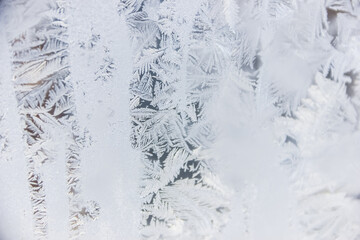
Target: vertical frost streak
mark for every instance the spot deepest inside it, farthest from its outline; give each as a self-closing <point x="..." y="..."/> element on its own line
<point x="45" y="99"/>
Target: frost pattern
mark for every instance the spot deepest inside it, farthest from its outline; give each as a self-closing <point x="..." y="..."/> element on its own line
<point x="243" y="117"/>
<point x="178" y="65"/>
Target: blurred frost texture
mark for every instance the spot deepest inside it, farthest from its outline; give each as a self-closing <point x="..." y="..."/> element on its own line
<point x="180" y="120"/>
